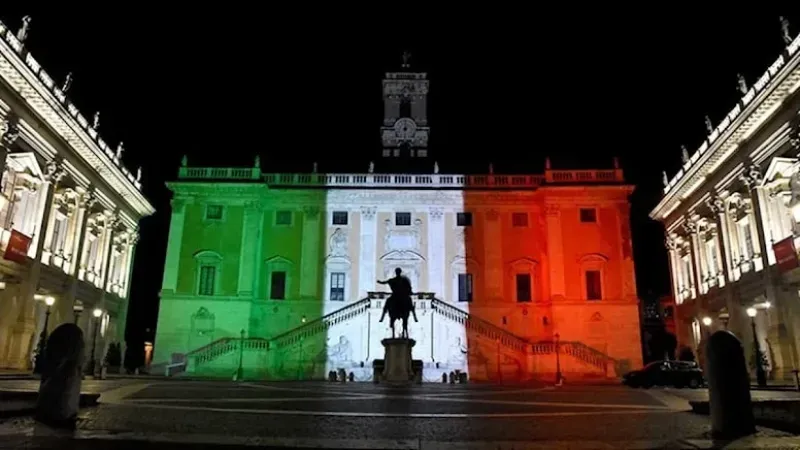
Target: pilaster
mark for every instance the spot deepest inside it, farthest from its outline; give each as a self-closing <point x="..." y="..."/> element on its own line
<point x="493" y="257"/>
<point x="9" y="132"/>
<point x="310" y="253"/>
<point x="250" y="242"/>
<point x="176" y="225"/>
<point x="85" y="204"/>
<point x="367" y="251"/>
<point x="436" y="253"/>
<point x="555" y="251"/>
<point x="690" y="226"/>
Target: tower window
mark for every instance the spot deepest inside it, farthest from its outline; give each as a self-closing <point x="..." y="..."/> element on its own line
<point x="594" y="289"/>
<point x="340" y="217"/>
<point x="523" y="287"/>
<point x="405" y="107"/>
<point x="519" y="219"/>
<point x="277" y="290"/>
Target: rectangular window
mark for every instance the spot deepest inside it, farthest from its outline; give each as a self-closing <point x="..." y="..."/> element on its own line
<point x="207" y="275"/>
<point x="747" y="239"/>
<point x="59" y="233"/>
<point x="340" y="217"/>
<point x="337" y="286"/>
<point x="277" y="286"/>
<point x="213" y="212"/>
<point x="519" y="219"/>
<point x="593" y="285"/>
<point x="465" y="287"/>
<point x="402" y="219"/>
<point x="422" y="153"/>
<point x="523" y="287"/>
<point x="588" y="215"/>
<point x="464" y="219"/>
<point x="711" y="250"/>
<point x="387" y="153"/>
<point x="283" y="218"/>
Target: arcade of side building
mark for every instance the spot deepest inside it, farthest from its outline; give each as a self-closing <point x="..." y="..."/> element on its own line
<point x="731" y="216"/>
<point x="276" y="272"/>
<point x="69" y="214"/>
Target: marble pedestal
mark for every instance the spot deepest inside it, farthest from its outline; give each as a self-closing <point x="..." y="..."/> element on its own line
<point x="397" y="361"/>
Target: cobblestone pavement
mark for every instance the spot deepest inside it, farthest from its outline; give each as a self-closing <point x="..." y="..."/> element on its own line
<point x="325" y="415"/>
<point x="87" y="386"/>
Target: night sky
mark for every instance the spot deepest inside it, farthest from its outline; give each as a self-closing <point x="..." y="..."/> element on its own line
<point x="222" y="87"/>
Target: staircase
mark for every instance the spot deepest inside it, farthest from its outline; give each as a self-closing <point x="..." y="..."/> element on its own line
<point x="225" y="350"/>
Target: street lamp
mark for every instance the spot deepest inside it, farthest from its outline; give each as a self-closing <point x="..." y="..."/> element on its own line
<point x="96" y="313"/>
<point x="240" y="371"/>
<point x="558" y="358"/>
<point x="41" y="347"/>
<point x="77" y="309"/>
<point x="761" y="376"/>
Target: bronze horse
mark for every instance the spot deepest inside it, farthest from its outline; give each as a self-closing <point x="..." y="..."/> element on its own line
<point x="399" y="305"/>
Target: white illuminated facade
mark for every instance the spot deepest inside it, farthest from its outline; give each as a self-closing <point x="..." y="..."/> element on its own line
<point x="66" y="195"/>
<point x="729" y="211"/>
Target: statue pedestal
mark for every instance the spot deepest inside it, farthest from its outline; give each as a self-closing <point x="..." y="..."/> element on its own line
<point x="397" y="361"/>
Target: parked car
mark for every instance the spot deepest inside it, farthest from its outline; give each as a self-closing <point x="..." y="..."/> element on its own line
<point x="666" y="373"/>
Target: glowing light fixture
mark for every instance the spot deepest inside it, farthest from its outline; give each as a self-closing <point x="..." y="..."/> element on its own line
<point x="751" y="312"/>
<point x="97" y="312"/>
<point x="49" y="300"/>
<point x="707" y="321"/>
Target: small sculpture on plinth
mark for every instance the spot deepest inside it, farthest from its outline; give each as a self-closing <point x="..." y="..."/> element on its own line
<point x="742" y="83"/>
<point x="785" y="33"/>
<point x="371" y="167"/>
<point x="22" y="34"/>
<point x="399" y="305"/>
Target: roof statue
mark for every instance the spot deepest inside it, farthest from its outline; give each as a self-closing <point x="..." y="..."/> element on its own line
<point x="257" y="163"/>
<point x="547" y="163"/>
<point x="616" y="162"/>
<point x="709" y="125"/>
<point x="684" y="154"/>
<point x="120" y="149"/>
<point x="742" y="83"/>
<point x="787" y="36"/>
<point x="406" y="58"/>
<point x="139" y="173"/>
<point x="371" y="167"/>
<point x="314" y="169"/>
<point x="491" y="169"/>
<point x="67" y="83"/>
<point x="184" y="161"/>
<point x="435" y="167"/>
<point x="96" y="120"/>
<point x="664" y="178"/>
<point x="22" y="34"/>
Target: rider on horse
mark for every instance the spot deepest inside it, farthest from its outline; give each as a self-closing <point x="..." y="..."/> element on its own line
<point x="399" y="304"/>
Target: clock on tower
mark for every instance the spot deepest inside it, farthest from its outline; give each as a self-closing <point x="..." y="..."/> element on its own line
<point x="405" y="128"/>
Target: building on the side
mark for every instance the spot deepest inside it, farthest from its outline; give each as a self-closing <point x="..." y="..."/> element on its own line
<point x="731" y="219"/>
<point x="69" y="212"/>
<point x="276" y="272"/>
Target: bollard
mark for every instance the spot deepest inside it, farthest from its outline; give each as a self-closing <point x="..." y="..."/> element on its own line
<point x="728" y="387"/>
<point x="60" y="388"/>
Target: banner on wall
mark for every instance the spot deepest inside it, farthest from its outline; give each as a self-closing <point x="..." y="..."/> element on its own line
<point x="17" y="248"/>
<point x="785" y="254"/>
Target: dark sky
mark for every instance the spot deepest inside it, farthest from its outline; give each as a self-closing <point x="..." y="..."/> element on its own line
<point x="222" y="86"/>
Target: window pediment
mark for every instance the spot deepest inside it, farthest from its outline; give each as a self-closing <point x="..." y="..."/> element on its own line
<point x="208" y="256"/>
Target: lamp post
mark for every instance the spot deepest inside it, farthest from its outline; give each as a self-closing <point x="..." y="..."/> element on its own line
<point x="77" y="309"/>
<point x="761" y="376"/>
<point x="41" y="347"/>
<point x="240" y="371"/>
<point x="96" y="313"/>
<point x="558" y="358"/>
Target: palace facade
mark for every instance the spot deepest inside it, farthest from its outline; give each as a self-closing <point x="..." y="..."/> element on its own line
<point x="69" y="212"/>
<point x="516" y="275"/>
<point x="731" y="216"/>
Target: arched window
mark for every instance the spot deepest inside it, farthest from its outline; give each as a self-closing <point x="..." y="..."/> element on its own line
<point x="208" y="272"/>
<point x="279" y="278"/>
<point x="592" y="268"/>
<point x="524" y="280"/>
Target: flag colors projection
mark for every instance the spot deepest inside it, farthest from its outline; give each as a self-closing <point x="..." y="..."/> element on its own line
<point x="516" y="277"/>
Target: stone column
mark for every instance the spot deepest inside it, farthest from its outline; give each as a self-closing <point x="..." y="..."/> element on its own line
<point x="555" y="252"/>
<point x="176" y="225"/>
<point x="111" y="224"/>
<point x="717" y="207"/>
<point x="690" y="226"/>
<point x="493" y="254"/>
<point x="85" y="204"/>
<point x="310" y="256"/>
<point x="126" y="275"/>
<point x="675" y="270"/>
<point x="367" y="252"/>
<point x="22" y="334"/>
<point x="436" y="253"/>
<point x="250" y="243"/>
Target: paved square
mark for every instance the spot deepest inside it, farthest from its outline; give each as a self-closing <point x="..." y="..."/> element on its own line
<point x="327" y="415"/>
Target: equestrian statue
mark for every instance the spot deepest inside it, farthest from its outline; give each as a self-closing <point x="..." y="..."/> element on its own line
<point x="399" y="304"/>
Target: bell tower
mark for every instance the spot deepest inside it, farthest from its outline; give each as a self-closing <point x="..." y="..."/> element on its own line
<point x="405" y="128"/>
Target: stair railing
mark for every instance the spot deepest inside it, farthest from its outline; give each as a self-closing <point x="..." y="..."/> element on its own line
<point x="319" y="325"/>
<point x="480" y="326"/>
